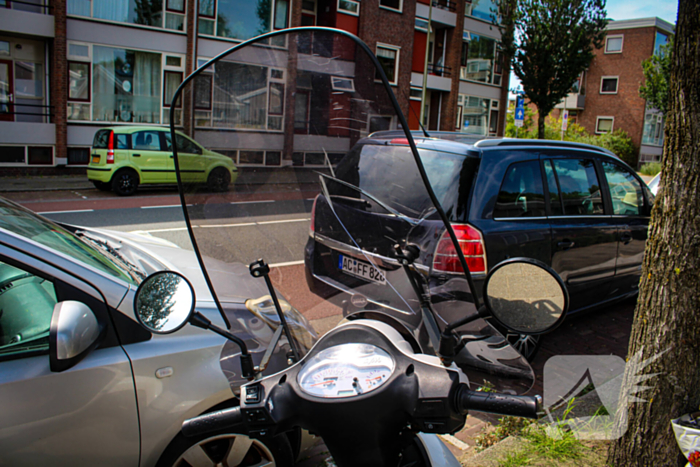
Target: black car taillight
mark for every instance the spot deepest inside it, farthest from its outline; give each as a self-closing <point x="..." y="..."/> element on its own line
<point x="472" y="244"/>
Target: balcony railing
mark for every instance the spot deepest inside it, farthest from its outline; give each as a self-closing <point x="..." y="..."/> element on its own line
<point x="439" y="70"/>
<point x="32" y="7"/>
<point x="445" y="5"/>
<point x="25" y="112"/>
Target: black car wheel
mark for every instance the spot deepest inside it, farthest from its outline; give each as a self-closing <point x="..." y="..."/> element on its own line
<point x="102" y="186"/>
<point x="125" y="182"/>
<point x="219" y="180"/>
<point x="525" y="344"/>
<point x="230" y="449"/>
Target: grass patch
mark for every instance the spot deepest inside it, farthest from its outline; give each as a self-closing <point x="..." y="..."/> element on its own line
<point x="650" y="168"/>
<point x="507" y="426"/>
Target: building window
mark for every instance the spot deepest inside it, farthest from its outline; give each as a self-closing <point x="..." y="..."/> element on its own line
<point x="12" y="155"/>
<point x="479" y="116"/>
<point x="660" y="41"/>
<point x="608" y="85"/>
<point x="613" y="44"/>
<point x="479" y="60"/>
<point x="481" y="9"/>
<point x="40" y="155"/>
<point x="171" y="83"/>
<point x="120" y="85"/>
<point x="604" y="124"/>
<point x="342" y="84"/>
<point x="169" y="14"/>
<point x="388" y="57"/>
<point x="653" y="128"/>
<point x="242" y="19"/>
<point x="239" y="95"/>
<point x="349" y="7"/>
<point x="78" y="156"/>
<point x="392" y="4"/>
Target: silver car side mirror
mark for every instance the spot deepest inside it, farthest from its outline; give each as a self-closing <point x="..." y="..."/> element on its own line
<point x="526" y="296"/>
<point x="74" y="332"/>
<point x="164" y="302"/>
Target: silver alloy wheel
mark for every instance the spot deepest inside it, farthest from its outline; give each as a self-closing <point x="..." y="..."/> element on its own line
<point x="229" y="450"/>
<point x="525" y="344"/>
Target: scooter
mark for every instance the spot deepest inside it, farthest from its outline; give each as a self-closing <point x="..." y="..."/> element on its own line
<point x="383" y="383"/>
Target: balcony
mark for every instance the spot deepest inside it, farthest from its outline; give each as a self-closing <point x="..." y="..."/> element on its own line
<point x="31" y="18"/>
<point x="439" y="70"/>
<point x="572" y="101"/>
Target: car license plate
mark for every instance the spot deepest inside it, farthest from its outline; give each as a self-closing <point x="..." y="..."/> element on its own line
<point x="360" y="269"/>
<point x="95" y="159"/>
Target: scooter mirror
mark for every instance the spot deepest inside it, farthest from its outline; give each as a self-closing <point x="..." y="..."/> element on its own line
<point x="526" y="296"/>
<point x="164" y="302"/>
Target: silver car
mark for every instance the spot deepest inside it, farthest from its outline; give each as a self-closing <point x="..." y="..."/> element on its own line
<point x="82" y="383"/>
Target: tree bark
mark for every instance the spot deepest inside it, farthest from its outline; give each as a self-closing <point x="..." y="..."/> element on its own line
<point x="540" y="123"/>
<point x="667" y="317"/>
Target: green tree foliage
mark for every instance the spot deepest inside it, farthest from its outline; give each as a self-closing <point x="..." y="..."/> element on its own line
<point x="657" y="74"/>
<point x="552" y="43"/>
<point x="618" y="141"/>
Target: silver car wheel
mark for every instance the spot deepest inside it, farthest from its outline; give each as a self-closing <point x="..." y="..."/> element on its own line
<point x="229" y="450"/>
<point x="526" y="345"/>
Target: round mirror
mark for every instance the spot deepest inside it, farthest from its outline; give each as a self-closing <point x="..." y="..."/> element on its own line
<point x="164" y="302"/>
<point x="526" y="296"/>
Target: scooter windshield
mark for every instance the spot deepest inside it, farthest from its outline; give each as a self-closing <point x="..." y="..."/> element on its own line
<point x="291" y="148"/>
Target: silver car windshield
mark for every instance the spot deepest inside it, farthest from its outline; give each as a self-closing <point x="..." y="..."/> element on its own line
<point x="20" y="221"/>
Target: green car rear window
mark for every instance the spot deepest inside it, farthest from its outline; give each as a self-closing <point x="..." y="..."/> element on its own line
<point x="101" y="140"/>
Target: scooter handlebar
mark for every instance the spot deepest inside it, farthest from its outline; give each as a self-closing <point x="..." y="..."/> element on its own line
<point x="502" y="404"/>
<point x="211" y="422"/>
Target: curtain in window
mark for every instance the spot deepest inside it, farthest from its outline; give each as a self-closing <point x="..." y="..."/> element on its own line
<point x="240" y="96"/>
<point x="147" y="88"/>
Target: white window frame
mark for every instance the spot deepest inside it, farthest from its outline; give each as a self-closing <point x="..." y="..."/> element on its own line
<point x="336" y="84"/>
<point x="399" y="10"/>
<point x="622" y="44"/>
<point x="612" y="126"/>
<point x="617" y="84"/>
<point x="348" y="12"/>
<point x="397" y="49"/>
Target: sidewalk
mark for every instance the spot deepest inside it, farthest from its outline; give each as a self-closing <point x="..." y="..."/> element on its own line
<point x="246" y="176"/>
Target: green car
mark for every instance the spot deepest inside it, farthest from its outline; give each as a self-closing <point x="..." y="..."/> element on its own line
<point x="124" y="157"/>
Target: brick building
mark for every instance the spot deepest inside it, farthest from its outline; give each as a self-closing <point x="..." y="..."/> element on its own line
<point x="70" y="67"/>
<point x="607" y="97"/>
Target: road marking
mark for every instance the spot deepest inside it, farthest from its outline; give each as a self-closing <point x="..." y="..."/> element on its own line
<point x="455" y="442"/>
<point x="168" y="206"/>
<point x="283" y="221"/>
<point x="174" y="229"/>
<point x="65" y="212"/>
<point x="251" y="202"/>
<point x="224" y="225"/>
<point x="243" y="224"/>
<point x="288" y="263"/>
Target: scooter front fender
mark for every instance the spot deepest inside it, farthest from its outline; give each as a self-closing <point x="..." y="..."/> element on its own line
<point x="438" y="454"/>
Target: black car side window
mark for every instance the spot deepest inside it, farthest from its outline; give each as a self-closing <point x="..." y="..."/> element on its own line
<point x="625" y="190"/>
<point x="521" y="193"/>
<point x="555" y="205"/>
<point x="579" y="186"/>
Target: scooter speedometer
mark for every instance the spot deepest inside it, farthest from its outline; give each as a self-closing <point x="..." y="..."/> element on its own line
<point x="346" y="370"/>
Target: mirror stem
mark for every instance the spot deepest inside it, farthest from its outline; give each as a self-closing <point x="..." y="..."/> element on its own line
<point x="450" y="342"/>
<point x="247" y="366"/>
<point x="260" y="268"/>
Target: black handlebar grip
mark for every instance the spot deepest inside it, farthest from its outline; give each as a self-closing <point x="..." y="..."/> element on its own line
<point x="502" y="404"/>
<point x="210" y="422"/>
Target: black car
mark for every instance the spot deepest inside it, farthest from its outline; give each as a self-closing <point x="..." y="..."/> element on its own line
<point x="575" y="207"/>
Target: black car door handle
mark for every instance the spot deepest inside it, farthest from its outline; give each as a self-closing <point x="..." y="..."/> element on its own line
<point x="565" y="245"/>
<point x="136" y="155"/>
<point x="626" y="238"/>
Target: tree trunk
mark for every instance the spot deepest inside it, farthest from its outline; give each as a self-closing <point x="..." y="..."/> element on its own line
<point x="667" y="318"/>
<point x="540" y="123"/>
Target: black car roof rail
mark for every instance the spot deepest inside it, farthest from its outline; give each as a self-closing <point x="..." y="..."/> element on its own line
<point x="488" y="143"/>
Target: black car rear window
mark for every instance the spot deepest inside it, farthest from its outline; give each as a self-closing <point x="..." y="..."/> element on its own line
<point x="389" y="173"/>
<point x="521" y="193"/>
